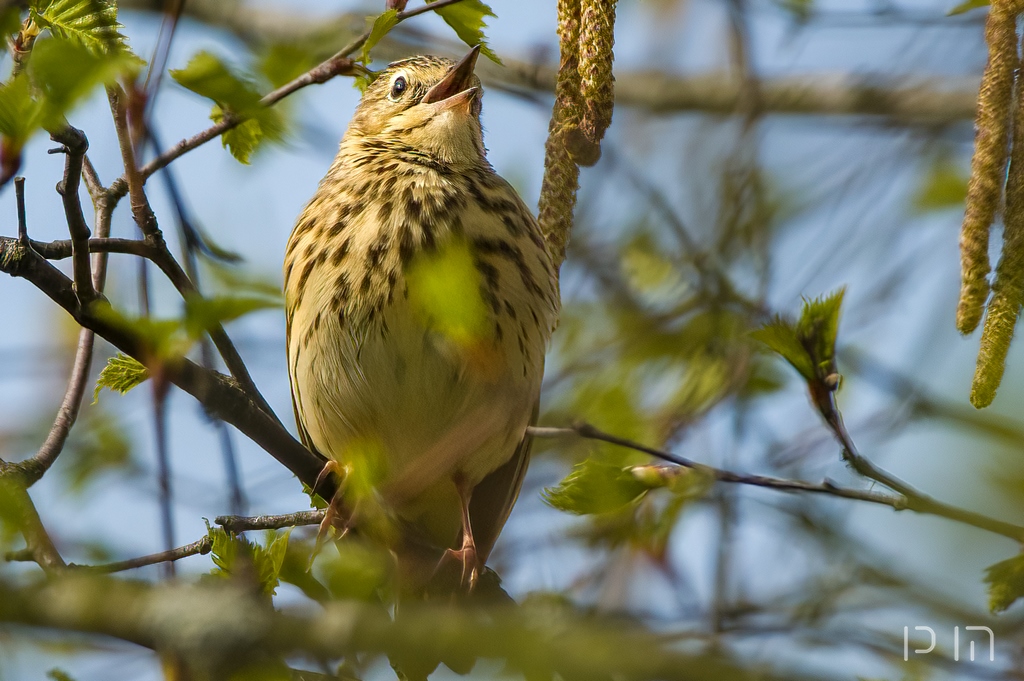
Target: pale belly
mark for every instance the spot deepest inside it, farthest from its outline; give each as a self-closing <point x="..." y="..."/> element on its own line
<point x="410" y="410"/>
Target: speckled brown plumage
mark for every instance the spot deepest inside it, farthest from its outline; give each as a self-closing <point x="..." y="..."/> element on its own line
<point x="445" y="411"/>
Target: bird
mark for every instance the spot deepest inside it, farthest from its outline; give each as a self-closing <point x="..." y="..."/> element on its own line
<point x="420" y="298"/>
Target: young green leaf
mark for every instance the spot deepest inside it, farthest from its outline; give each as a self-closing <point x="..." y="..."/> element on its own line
<point x="281" y="63"/>
<point x="809" y="345"/>
<point x="237" y="556"/>
<point x="207" y="75"/>
<point x="241" y="140"/>
<point x="98" y="445"/>
<point x="66" y="72"/>
<point x="467" y="18"/>
<point x="595" y="487"/>
<point x="383" y="23"/>
<point x="1005" y="583"/>
<point x="780" y="335"/>
<point x="121" y="374"/>
<point x="818" y="329"/>
<point x="57" y="674"/>
<point x="945" y="186"/>
<point x="203" y="314"/>
<point x="90" y="23"/>
<point x="20" y="113"/>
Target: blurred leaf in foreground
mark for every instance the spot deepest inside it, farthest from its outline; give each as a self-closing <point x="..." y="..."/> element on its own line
<point x="235" y="95"/>
<point x="596" y="487"/>
<point x="1005" y="583"/>
<point x="944" y="186"/>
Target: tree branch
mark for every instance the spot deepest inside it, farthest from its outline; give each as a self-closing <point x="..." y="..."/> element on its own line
<point x="39" y="547"/>
<point x="200" y="547"/>
<point x="236" y="524"/>
<point x="75" y="145"/>
<point x="335" y="65"/>
<point x="904" y="100"/>
<point x="907" y="499"/>
<point x="217" y="624"/>
<point x="221" y="396"/>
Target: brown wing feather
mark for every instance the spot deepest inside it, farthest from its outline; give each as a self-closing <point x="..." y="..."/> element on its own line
<point x="494" y="497"/>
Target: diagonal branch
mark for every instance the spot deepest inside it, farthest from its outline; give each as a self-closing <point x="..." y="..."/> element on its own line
<point x="220" y="395"/>
<point x="903" y="100"/>
<point x="907" y="498"/>
<point x="335" y="65"/>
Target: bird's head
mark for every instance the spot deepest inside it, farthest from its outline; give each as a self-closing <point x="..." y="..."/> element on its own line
<point x="431" y="104"/>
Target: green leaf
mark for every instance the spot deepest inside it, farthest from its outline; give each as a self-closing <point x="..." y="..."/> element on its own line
<point x="241" y="140"/>
<point x="57" y="674"/>
<point x="1005" y="583"/>
<point x="809" y="345"/>
<point x="165" y="339"/>
<point x="10" y="20"/>
<point x="20" y="113"/>
<point x="944" y="187"/>
<point x="90" y="23"/>
<point x="236" y="556"/>
<point x="383" y="23"/>
<point x="281" y="63"/>
<point x="467" y="19"/>
<point x="967" y="7"/>
<point x="647" y="268"/>
<point x="595" y="487"/>
<point x="121" y="374"/>
<point x="203" y="314"/>
<point x="207" y="75"/>
<point x="66" y="72"/>
<point x="97" y="445"/>
<point x="444" y="290"/>
<point x="802" y="10"/>
<point x="780" y="335"/>
<point x="818" y="329"/>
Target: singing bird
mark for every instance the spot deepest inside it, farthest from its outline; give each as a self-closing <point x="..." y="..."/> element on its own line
<point x="420" y="298"/>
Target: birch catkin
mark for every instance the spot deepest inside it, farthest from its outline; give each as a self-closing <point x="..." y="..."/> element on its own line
<point x="561" y="174"/>
<point x="988" y="166"/>
<point x="597" y="37"/>
<point x="584" y="98"/>
<point x="1008" y="287"/>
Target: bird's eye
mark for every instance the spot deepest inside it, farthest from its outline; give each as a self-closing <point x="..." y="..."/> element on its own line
<point x="398" y="87"/>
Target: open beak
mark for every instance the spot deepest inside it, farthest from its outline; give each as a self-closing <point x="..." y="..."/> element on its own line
<point x="458" y="80"/>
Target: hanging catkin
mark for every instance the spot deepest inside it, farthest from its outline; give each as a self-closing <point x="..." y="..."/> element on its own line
<point x="583" y="109"/>
<point x="1008" y="287"/>
<point x="561" y="174"/>
<point x="597" y="37"/>
<point x="988" y="166"/>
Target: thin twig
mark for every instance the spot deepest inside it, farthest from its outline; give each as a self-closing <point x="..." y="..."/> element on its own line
<point x="133" y="178"/>
<point x="19" y="191"/>
<point x="75" y="145"/>
<point x="200" y="547"/>
<point x="61" y="249"/>
<point x="337" y="64"/>
<point x="915" y="501"/>
<point x="39" y="547"/>
<point x="191" y="241"/>
<point x="220" y="395"/>
<point x="235" y="523"/>
<point x="92" y="181"/>
<point x="232" y="523"/>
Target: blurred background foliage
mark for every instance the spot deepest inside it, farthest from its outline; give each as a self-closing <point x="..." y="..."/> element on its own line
<point x="761" y="151"/>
